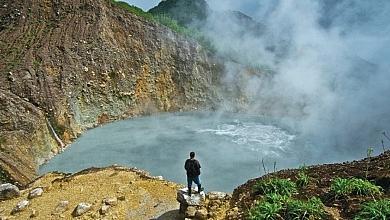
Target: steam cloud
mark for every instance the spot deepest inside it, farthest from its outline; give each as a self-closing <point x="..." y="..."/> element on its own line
<point x="330" y="77"/>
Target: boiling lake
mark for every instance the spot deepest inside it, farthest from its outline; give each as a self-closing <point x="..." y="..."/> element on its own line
<point x="231" y="148"/>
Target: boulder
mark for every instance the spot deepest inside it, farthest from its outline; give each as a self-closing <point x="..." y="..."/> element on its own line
<point x="110" y="201"/>
<point x="35" y="193"/>
<point x="216" y="195"/>
<point x="22" y="205"/>
<point x="81" y="208"/>
<point x="8" y="191"/>
<point x="196" y="199"/>
<point x="61" y="207"/>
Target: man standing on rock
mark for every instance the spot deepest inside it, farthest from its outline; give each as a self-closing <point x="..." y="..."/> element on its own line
<point x="192" y="167"/>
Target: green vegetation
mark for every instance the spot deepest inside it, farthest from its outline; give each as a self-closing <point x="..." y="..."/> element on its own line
<point x="173" y="25"/>
<point x="311" y="209"/>
<point x="276" y="198"/>
<point x="186" y="12"/>
<point x="132" y="9"/>
<point x="369" y="153"/>
<point x="276" y="206"/>
<point x="160" y="18"/>
<point x="370" y="150"/>
<point x="166" y="20"/>
<point x="354" y="186"/>
<point x="278" y="203"/>
<point x="375" y="210"/>
<point x="265" y="210"/>
<point x="277" y="186"/>
<point x="302" y="178"/>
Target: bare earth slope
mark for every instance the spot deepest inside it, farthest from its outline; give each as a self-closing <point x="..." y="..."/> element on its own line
<point x="66" y="66"/>
<point x="138" y="195"/>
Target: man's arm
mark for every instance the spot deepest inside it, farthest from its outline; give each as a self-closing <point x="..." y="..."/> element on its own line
<point x="186" y="165"/>
<point x="198" y="164"/>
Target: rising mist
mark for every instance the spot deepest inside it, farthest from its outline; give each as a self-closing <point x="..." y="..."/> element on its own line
<point x="330" y="70"/>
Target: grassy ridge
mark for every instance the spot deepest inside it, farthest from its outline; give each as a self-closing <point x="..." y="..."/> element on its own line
<point x="344" y="187"/>
<point x="278" y="202"/>
<point x="379" y="209"/>
<point x="167" y="21"/>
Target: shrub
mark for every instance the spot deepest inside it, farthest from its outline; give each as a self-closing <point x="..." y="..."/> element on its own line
<point x="276" y="198"/>
<point x="311" y="209"/>
<point x="302" y="179"/>
<point x="354" y="186"/>
<point x="375" y="210"/>
<point x="277" y="186"/>
<point x="276" y="206"/>
<point x="265" y="210"/>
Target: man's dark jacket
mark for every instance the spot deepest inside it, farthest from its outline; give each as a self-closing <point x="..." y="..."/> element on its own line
<point x="192" y="167"/>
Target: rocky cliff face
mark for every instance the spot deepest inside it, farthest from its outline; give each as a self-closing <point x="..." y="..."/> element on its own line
<point x="69" y="65"/>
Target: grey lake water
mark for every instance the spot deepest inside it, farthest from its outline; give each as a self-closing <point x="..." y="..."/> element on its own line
<point x="230" y="147"/>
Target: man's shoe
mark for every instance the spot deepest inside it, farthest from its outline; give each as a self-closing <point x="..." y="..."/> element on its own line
<point x="200" y="189"/>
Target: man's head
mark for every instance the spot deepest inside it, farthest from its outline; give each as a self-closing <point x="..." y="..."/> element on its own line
<point x="192" y="155"/>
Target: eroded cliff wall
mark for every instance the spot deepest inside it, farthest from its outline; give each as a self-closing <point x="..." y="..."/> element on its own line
<point x="69" y="65"/>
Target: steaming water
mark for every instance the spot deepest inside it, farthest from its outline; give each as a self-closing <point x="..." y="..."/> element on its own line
<point x="230" y="147"/>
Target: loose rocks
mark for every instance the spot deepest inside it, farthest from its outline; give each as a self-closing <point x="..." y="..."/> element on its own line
<point x="81" y="208"/>
<point x="61" y="207"/>
<point x="110" y="201"/>
<point x="8" y="191"/>
<point x="201" y="214"/>
<point x="22" y="205"/>
<point x="190" y="212"/>
<point x="104" y="209"/>
<point x="216" y="195"/>
<point x="196" y="199"/>
<point x="34" y="213"/>
<point x="35" y="193"/>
